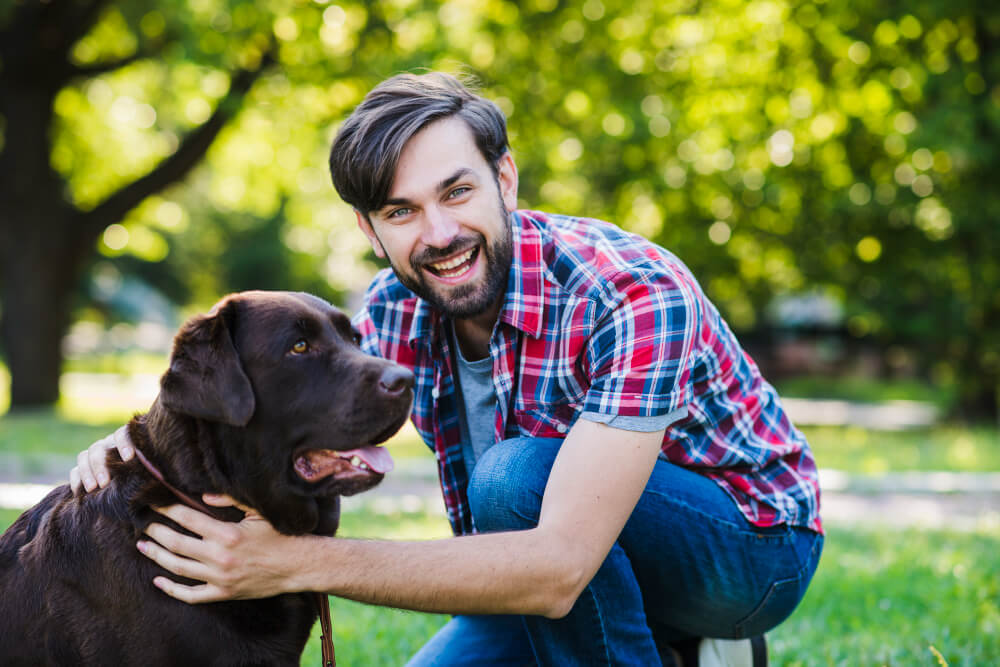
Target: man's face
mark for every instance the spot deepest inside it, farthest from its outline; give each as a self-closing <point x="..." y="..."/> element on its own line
<point x="445" y="227"/>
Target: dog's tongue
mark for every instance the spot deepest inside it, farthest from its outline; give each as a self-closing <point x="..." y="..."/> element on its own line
<point x="377" y="458"/>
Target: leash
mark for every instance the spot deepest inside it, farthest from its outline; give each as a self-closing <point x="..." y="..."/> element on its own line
<point x="326" y="637"/>
<point x="322" y="601"/>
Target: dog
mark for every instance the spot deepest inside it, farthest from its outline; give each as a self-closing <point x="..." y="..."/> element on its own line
<point x="269" y="399"/>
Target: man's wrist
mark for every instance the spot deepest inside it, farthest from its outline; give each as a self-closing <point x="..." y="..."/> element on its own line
<point x="305" y="564"/>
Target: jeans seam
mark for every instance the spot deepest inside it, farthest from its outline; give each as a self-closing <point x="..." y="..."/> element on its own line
<point x="600" y="623"/>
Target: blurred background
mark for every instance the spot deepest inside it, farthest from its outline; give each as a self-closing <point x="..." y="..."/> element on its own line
<point x="828" y="170"/>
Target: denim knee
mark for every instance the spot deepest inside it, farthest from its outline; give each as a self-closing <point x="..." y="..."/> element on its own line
<point x="506" y="487"/>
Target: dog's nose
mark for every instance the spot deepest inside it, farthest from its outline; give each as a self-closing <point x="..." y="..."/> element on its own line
<point x="395" y="380"/>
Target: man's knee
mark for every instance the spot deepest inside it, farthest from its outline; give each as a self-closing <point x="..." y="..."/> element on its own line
<point x="506" y="486"/>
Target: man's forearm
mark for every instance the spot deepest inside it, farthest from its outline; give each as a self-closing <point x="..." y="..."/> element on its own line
<point x="498" y="573"/>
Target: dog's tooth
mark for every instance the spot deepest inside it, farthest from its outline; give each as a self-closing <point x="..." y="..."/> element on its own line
<point x="355" y="460"/>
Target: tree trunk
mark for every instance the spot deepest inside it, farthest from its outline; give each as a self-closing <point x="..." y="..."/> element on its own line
<point x="46" y="243"/>
<point x="36" y="288"/>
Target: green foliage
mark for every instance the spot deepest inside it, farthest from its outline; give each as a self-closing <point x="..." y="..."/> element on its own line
<point x="775" y="145"/>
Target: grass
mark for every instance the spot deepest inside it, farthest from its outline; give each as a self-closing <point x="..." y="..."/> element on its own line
<point x="866" y="390"/>
<point x="944" y="447"/>
<point x="37" y="442"/>
<point x="878" y="598"/>
<point x="886" y="597"/>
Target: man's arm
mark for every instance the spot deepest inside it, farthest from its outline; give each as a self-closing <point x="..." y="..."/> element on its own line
<point x="595" y="482"/>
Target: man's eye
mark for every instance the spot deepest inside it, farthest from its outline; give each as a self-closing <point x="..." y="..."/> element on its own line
<point x="300" y="347"/>
<point x="458" y="192"/>
<point x="398" y="213"/>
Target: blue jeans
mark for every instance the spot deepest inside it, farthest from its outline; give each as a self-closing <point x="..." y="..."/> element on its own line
<point x="687" y="564"/>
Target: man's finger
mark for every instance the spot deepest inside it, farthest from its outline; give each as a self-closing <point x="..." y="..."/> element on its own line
<point x="199" y="524"/>
<point x="96" y="455"/>
<point x="222" y="500"/>
<point x="182" y="545"/>
<point x="74" y="479"/>
<point x="83" y="469"/>
<point x="190" y="594"/>
<point x="168" y="560"/>
<point x="122" y="443"/>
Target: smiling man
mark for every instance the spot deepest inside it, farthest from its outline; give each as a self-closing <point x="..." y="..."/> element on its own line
<point x="621" y="480"/>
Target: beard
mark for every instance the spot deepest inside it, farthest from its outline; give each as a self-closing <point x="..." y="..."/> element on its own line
<point x="472" y="299"/>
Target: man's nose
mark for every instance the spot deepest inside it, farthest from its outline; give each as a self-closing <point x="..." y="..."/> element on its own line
<point x="440" y="228"/>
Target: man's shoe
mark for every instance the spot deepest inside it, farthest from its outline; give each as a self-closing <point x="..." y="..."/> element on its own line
<point x="750" y="652"/>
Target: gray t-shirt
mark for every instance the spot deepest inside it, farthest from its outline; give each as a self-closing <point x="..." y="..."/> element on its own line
<point x="478" y="400"/>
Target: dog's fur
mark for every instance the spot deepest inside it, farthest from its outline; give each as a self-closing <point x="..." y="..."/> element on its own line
<point x="239" y="411"/>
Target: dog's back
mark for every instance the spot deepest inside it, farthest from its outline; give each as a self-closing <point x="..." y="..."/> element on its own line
<point x="77" y="592"/>
<point x="21" y="640"/>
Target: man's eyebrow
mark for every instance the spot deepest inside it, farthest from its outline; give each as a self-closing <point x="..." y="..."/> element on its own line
<point x="459" y="173"/>
<point x="443" y="185"/>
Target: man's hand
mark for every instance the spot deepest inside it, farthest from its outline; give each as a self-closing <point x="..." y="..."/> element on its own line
<point x="249" y="559"/>
<point x="91" y="470"/>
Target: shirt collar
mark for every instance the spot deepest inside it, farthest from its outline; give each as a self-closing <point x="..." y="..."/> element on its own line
<point x="524" y="302"/>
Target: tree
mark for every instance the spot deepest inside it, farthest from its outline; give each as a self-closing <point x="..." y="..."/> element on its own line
<point x="777" y="146"/>
<point x="46" y="240"/>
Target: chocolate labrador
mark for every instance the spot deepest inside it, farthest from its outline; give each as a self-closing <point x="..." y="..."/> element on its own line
<point x="268" y="399"/>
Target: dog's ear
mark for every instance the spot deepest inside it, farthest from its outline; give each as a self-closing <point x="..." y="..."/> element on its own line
<point x="206" y="379"/>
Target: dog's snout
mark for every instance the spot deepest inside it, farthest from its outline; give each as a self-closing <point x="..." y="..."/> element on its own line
<point x="395" y="380"/>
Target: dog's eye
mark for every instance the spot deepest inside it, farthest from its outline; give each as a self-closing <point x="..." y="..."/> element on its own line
<point x="301" y="346"/>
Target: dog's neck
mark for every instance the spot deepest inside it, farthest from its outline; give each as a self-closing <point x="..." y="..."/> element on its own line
<point x="158" y="436"/>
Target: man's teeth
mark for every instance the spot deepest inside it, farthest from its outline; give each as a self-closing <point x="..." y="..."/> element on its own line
<point x="452" y="263"/>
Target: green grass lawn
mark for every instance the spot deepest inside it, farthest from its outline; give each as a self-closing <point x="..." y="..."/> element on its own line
<point x="49" y="440"/>
<point x="878" y="598"/>
<point x="943" y="447"/>
<point x="866" y="390"/>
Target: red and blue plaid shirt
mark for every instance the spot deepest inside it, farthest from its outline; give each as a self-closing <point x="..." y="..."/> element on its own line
<point x="599" y="320"/>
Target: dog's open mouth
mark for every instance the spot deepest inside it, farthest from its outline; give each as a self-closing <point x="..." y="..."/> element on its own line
<point x="313" y="465"/>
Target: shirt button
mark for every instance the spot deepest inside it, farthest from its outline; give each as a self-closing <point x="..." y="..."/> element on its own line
<point x="434" y="393"/>
<point x="561" y="428"/>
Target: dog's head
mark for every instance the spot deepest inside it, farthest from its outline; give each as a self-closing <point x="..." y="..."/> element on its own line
<point x="279" y="380"/>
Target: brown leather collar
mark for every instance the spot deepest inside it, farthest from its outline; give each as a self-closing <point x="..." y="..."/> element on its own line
<point x="322" y="601"/>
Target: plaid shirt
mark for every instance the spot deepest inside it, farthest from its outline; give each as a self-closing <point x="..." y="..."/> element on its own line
<point x="597" y="320"/>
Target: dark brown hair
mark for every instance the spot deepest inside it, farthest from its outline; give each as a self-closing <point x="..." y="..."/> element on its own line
<point x="367" y="148"/>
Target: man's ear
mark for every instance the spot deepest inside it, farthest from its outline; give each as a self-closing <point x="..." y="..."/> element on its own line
<point x="206" y="379"/>
<point x="365" y="225"/>
<point x="507" y="180"/>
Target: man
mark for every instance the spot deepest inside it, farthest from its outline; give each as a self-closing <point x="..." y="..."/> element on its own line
<point x="620" y="478"/>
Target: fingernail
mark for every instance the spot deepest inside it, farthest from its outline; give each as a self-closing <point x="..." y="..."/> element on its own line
<point x="126" y="453"/>
<point x="102" y="479"/>
<point x="141" y="546"/>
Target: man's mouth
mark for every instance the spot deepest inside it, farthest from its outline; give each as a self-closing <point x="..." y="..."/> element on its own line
<point x="455" y="266"/>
